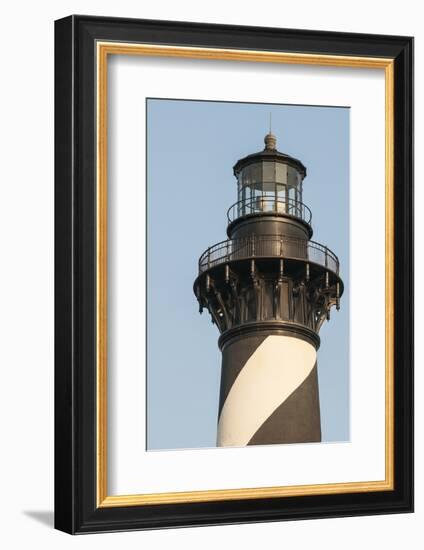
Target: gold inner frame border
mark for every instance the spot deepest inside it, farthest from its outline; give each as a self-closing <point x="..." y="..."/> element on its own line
<point x="103" y="50"/>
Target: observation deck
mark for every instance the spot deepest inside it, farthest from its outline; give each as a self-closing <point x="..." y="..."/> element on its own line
<point x="268" y="246"/>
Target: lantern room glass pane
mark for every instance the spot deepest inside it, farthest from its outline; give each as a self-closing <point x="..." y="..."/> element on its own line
<point x="257" y="189"/>
<point x="251" y="175"/>
<point x="268" y="172"/>
<point x="268" y="187"/>
<point x="280" y="172"/>
<point x="256" y="173"/>
<point x="239" y="187"/>
<point x="292" y="176"/>
<point x="245" y="176"/>
<point x="280" y="198"/>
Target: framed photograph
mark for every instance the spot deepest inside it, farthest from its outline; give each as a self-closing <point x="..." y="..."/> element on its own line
<point x="234" y="270"/>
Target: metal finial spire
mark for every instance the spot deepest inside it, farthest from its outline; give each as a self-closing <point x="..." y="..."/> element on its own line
<point x="270" y="139"/>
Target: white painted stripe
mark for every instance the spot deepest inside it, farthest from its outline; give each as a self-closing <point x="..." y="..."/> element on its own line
<point x="272" y="373"/>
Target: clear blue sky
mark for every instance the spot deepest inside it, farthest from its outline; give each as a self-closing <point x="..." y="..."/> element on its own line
<point x="191" y="149"/>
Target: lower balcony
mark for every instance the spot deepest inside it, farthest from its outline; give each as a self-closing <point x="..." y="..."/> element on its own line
<point x="268" y="246"/>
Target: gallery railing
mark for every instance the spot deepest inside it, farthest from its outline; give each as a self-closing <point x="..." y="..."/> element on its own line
<point x="269" y="204"/>
<point x="268" y="246"/>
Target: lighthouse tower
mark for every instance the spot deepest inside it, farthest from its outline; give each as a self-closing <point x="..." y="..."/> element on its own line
<point x="268" y="289"/>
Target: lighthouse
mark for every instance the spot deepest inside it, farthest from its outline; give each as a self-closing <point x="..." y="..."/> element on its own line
<point x="268" y="288"/>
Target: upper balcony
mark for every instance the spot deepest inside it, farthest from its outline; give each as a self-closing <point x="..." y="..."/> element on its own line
<point x="269" y="204"/>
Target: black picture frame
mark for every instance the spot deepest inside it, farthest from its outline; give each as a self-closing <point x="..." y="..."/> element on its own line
<point x="76" y="509"/>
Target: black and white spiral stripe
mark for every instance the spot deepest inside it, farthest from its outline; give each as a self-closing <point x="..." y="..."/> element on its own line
<point x="269" y="392"/>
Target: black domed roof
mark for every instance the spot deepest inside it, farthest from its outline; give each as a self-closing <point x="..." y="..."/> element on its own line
<point x="269" y="153"/>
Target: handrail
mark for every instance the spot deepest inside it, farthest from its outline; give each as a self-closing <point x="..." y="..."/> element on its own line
<point x="268" y="246"/>
<point x="266" y="204"/>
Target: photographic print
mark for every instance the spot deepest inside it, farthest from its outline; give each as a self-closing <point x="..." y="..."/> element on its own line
<point x="233" y="324"/>
<point x="248" y="224"/>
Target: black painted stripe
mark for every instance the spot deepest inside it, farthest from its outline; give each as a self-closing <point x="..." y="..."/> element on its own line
<point x="296" y="420"/>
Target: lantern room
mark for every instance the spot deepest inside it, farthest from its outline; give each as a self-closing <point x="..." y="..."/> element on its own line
<point x="269" y="182"/>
